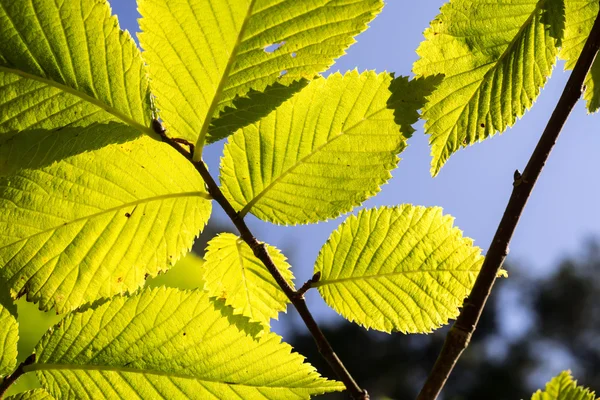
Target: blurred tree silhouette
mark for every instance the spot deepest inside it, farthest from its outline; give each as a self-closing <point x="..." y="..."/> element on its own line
<point x="532" y="328"/>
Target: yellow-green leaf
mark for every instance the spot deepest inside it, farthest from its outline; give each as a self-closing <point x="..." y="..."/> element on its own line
<point x="495" y="56"/>
<point x="67" y="62"/>
<point x="234" y="274"/>
<point x="403" y="268"/>
<point x="36" y="394"/>
<point x="580" y="16"/>
<point x="168" y="344"/>
<point x="97" y="223"/>
<point x="202" y="54"/>
<point x="9" y="332"/>
<point x="563" y="387"/>
<point x="320" y="154"/>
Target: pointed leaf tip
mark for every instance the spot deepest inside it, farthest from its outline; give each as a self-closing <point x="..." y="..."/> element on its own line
<point x="495" y="57"/>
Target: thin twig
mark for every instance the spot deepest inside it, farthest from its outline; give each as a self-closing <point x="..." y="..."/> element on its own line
<point x="260" y="251"/>
<point x="460" y="334"/>
<point x="309" y="284"/>
<point x="9" y="380"/>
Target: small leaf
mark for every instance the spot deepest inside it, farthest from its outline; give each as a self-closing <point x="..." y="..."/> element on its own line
<point x="9" y="332"/>
<point x="320" y="154"/>
<point x="580" y="16"/>
<point x="36" y="394"/>
<point x="563" y="387"/>
<point x="68" y="62"/>
<point x="98" y="223"/>
<point x="238" y="46"/>
<point x="165" y="344"/>
<point x="234" y="274"/>
<point x="404" y="269"/>
<point x="495" y="58"/>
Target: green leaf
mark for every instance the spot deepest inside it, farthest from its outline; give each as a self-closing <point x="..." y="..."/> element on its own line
<point x="404" y="269"/>
<point x="580" y="16"/>
<point x="97" y="223"/>
<point x="321" y="153"/>
<point x="234" y="274"/>
<point x="165" y="344"/>
<point x="495" y="56"/>
<point x="563" y="387"/>
<point x="238" y="46"/>
<point x="67" y="62"/>
<point x="36" y="394"/>
<point x="9" y="332"/>
<point x="592" y="87"/>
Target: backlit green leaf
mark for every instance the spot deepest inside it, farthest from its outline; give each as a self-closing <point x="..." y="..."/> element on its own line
<point x="202" y="54"/>
<point x="321" y="153"/>
<point x="234" y="274"/>
<point x="168" y="344"/>
<point x="36" y="394"/>
<point x="581" y="15"/>
<point x="9" y="332"/>
<point x="404" y="269"/>
<point x="496" y="56"/>
<point x="67" y="62"/>
<point x="563" y="387"/>
<point x="97" y="223"/>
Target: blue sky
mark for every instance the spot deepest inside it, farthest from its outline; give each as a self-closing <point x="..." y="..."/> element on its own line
<point x="476" y="183"/>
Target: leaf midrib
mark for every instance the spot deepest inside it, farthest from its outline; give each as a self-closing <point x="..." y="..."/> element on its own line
<point x="111" y="110"/>
<point x="508" y="50"/>
<point x="197" y="156"/>
<point x="238" y="246"/>
<point x="111" y="210"/>
<point x="324" y="282"/>
<point x="301" y="161"/>
<point x="70" y="367"/>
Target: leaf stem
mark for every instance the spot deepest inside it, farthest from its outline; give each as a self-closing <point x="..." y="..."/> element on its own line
<point x="309" y="284"/>
<point x="12" y="378"/>
<point x="260" y="251"/>
<point x="461" y="332"/>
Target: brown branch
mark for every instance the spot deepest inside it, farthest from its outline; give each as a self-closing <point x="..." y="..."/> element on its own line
<point x="460" y="334"/>
<point x="260" y="251"/>
<point x="9" y="380"/>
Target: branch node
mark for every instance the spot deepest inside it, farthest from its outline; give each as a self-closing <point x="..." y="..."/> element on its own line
<point x="308" y="284"/>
